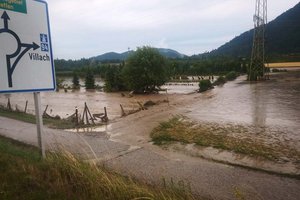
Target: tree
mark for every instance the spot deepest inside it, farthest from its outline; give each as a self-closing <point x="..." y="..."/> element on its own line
<point x="89" y="80"/>
<point x="75" y="81"/>
<point x="113" y="79"/>
<point x="145" y="70"/>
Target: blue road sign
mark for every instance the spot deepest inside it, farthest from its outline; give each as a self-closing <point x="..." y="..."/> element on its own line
<point x="26" y="58"/>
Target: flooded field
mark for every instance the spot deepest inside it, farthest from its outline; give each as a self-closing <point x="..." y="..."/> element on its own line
<point x="266" y="113"/>
<point x="270" y="107"/>
<point x="271" y="103"/>
<point x="64" y="103"/>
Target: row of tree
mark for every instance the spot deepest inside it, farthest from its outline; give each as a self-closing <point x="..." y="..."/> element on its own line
<point x="174" y="67"/>
<point x="146" y="70"/>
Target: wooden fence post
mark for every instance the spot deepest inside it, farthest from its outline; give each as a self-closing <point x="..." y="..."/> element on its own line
<point x="25" y="110"/>
<point x="76" y="115"/>
<point x="8" y="104"/>
<point x="122" y="110"/>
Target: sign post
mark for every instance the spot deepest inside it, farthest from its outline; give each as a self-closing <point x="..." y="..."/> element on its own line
<point x="26" y="59"/>
<point x="39" y="122"/>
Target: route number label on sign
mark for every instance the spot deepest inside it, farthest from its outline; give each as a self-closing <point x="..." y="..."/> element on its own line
<point x="26" y="59"/>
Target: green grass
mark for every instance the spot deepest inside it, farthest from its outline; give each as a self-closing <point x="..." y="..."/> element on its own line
<point x="29" y="118"/>
<point x="213" y="135"/>
<point x="24" y="175"/>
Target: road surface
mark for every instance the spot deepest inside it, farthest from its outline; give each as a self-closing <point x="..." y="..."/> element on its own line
<point x="207" y="179"/>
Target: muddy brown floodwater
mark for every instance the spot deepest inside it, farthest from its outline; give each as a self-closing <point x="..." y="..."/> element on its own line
<point x="265" y="105"/>
<point x="267" y="108"/>
<point x="64" y="103"/>
<point x="266" y="111"/>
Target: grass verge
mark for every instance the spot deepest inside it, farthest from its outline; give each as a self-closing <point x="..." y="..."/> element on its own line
<point x="29" y="118"/>
<point x="24" y="175"/>
<point x="178" y="129"/>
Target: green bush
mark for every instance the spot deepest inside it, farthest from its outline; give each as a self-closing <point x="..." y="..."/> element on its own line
<point x="231" y="76"/>
<point x="221" y="80"/>
<point x="205" y="85"/>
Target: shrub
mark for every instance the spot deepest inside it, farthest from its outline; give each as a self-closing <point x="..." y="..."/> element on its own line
<point x="231" y="76"/>
<point x="221" y="80"/>
<point x="205" y="85"/>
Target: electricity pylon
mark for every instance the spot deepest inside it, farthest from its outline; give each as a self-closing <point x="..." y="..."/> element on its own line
<point x="257" y="65"/>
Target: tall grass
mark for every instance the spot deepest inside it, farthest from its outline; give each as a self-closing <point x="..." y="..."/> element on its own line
<point x="24" y="175"/>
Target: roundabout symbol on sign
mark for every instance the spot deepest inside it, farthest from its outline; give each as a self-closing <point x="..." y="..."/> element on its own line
<point x="21" y="50"/>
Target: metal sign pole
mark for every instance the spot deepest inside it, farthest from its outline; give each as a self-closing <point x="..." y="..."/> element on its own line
<point x="39" y="122"/>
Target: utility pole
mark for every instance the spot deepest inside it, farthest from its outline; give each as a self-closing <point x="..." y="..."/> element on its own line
<point x="257" y="66"/>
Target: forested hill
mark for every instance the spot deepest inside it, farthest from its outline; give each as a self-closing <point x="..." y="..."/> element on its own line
<point x="112" y="56"/>
<point x="282" y="38"/>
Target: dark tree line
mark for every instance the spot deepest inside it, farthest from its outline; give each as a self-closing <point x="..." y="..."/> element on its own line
<point x="146" y="70"/>
<point x="187" y="66"/>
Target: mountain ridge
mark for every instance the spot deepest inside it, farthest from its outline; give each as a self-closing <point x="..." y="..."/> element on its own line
<point x="282" y="37"/>
<point x="169" y="53"/>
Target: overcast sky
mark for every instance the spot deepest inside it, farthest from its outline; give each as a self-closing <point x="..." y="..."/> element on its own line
<point x="86" y="28"/>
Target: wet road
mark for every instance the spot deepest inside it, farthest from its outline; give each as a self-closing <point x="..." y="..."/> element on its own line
<point x="207" y="179"/>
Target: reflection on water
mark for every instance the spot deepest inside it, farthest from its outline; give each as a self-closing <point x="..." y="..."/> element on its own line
<point x="259" y="107"/>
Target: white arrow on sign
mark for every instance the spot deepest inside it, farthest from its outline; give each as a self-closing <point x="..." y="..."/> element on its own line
<point x="26" y="59"/>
